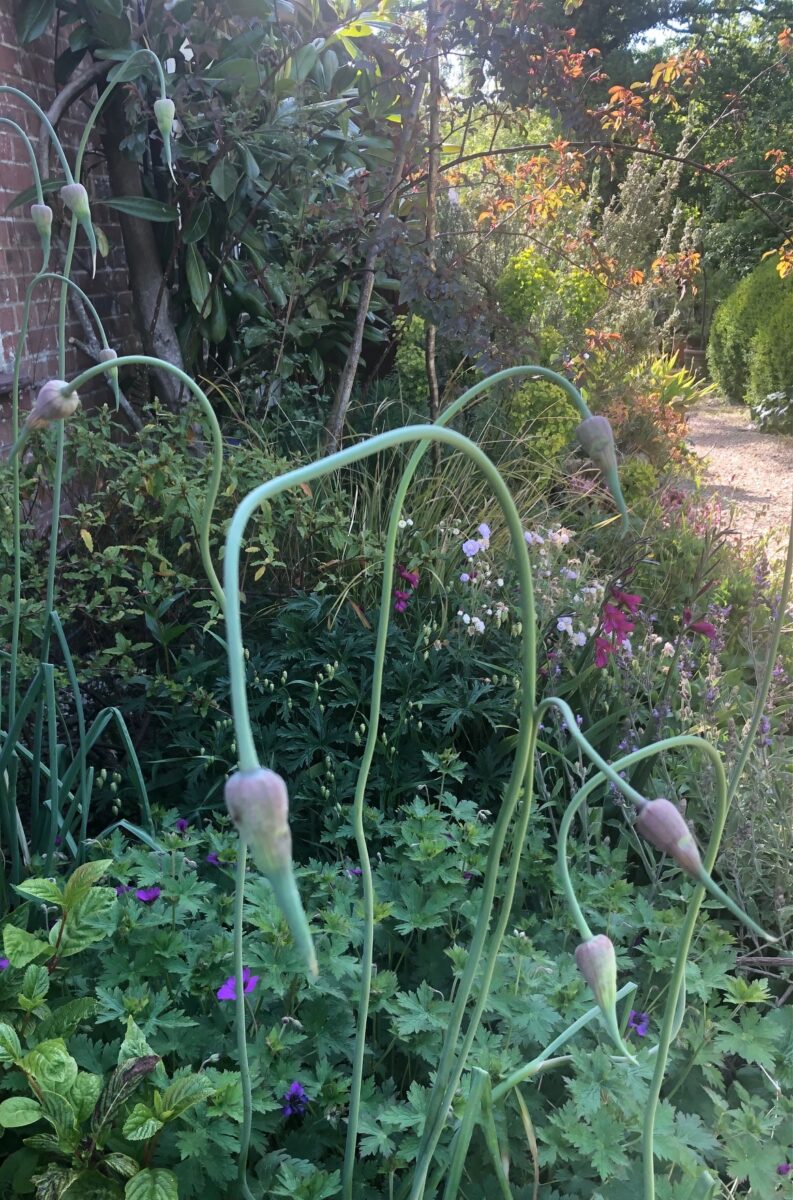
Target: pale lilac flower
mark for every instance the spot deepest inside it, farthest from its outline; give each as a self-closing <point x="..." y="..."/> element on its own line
<point x="471" y="548"/>
<point x="465" y="577"/>
<point x="484" y="533"/>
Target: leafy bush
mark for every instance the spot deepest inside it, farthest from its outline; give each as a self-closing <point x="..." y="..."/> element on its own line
<point x="749" y="340"/>
<point x="552" y="305"/>
<point x="774" y="412"/>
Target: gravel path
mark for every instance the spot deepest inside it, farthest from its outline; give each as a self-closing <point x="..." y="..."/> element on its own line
<point x="751" y="472"/>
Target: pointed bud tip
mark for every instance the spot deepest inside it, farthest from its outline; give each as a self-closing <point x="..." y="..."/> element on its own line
<point x="662" y="824"/>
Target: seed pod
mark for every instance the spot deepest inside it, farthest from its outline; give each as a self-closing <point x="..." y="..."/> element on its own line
<point x="664" y="827"/>
<point x="597" y="962"/>
<point x="55" y="402"/>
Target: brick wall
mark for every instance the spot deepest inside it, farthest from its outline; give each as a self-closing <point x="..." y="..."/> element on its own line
<point x="31" y="70"/>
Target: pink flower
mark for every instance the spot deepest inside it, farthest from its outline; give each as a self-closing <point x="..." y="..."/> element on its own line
<point x="228" y="990"/>
<point x="400" y="600"/>
<point x="615" y="621"/>
<point x="629" y="600"/>
<point x="410" y="577"/>
<point x="603" y="650"/>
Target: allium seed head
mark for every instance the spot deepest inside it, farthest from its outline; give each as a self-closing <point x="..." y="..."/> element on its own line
<point x="663" y="825"/>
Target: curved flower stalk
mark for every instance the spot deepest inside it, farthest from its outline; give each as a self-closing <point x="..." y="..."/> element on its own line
<point x="248" y="760"/>
<point x="40" y="213"/>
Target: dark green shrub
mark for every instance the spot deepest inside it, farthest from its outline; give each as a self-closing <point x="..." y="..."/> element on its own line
<point x="750" y="310"/>
<point x="771" y="356"/>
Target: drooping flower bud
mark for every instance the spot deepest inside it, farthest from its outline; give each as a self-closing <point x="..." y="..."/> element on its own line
<point x="663" y="825"/>
<point x="41" y="216"/>
<point x="75" y="197"/>
<point x="107" y="354"/>
<point x="597" y="962"/>
<point x="164" y="113"/>
<point x="55" y="402"/>
<point x="596" y="438"/>
<point x="258" y="804"/>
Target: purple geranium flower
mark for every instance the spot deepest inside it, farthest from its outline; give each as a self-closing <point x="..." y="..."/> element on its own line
<point x="147" y="895"/>
<point x="182" y="825"/>
<point x="123" y="888"/>
<point x="5" y="963"/>
<point x="213" y="859"/>
<point x="784" y="1168"/>
<point x="228" y="990"/>
<point x="639" y="1022"/>
<point x="295" y="1101"/>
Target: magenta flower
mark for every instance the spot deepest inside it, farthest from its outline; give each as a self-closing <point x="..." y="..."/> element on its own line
<point x="616" y="622"/>
<point x="228" y="990"/>
<point x="410" y="577"/>
<point x="639" y="1022"/>
<point x="147" y="895"/>
<point x="629" y="600"/>
<point x="707" y="629"/>
<point x="603" y="651"/>
<point x="5" y="963"/>
<point x="400" y="600"/>
<point x="784" y="1168"/>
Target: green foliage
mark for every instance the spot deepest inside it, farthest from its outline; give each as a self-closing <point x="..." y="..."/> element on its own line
<point x="748" y="352"/>
<point x="550" y="306"/>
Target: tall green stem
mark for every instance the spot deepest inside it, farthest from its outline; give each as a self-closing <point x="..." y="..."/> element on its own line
<point x="240" y="1022"/>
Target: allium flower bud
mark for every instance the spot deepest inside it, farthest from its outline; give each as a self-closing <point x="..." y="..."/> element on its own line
<point x="258" y="804"/>
<point x="75" y="197"/>
<point x="55" y="402"/>
<point x="164" y="113"/>
<point x="41" y="216"/>
<point x="595" y="436"/>
<point x="661" y="823"/>
<point x="107" y="354"/>
<point x="597" y="962"/>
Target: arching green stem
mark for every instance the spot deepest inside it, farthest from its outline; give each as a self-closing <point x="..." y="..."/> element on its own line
<point x="591" y="753"/>
<point x="12" y="91"/>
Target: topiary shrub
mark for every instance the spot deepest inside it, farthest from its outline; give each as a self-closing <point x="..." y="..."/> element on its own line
<point x="771" y="354"/>
<point x="749" y="309"/>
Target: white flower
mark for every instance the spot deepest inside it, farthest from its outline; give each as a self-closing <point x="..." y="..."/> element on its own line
<point x="626" y="645"/>
<point x="402" y="524"/>
<point x="478" y="625"/>
<point x="568" y="574"/>
<point x="499" y="582"/>
<point x="668" y="650"/>
<point x="466" y="619"/>
<point x="565" y="625"/>
<point x="579" y="638"/>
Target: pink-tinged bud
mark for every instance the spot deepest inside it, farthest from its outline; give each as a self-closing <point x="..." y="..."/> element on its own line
<point x="55" y="402"/>
<point x="41" y="216"/>
<point x="595" y="436"/>
<point x="597" y="962"/>
<point x="75" y="197"/>
<point x="663" y="825"/>
<point x="258" y="804"/>
<point x="164" y="113"/>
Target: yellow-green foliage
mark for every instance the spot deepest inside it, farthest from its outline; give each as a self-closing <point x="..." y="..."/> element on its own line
<point x="544" y="416"/>
<point x="749" y="352"/>
<point x="554" y="303"/>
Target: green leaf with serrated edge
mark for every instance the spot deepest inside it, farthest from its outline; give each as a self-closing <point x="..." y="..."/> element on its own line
<point x="63" y="1118"/>
<point x="83" y="878"/>
<point x="35" y="982"/>
<point x="91" y="1185"/>
<point x="91" y="920"/>
<point x="136" y="1046"/>
<point x="10" y="1048"/>
<point x="186" y="1091"/>
<point x="65" y="1020"/>
<point x="51" y="1065"/>
<point x="152" y="1185"/>
<point x="22" y="947"/>
<point x="45" y="1142"/>
<point x="122" y="1083"/>
<point x="18" y="1111"/>
<point x="141" y="1124"/>
<point x="84" y="1094"/>
<point x="45" y="890"/>
<point x="122" y="1164"/>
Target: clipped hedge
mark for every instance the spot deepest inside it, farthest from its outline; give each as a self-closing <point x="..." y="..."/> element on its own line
<point x="750" y="352"/>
